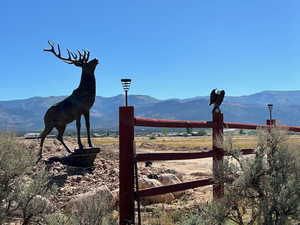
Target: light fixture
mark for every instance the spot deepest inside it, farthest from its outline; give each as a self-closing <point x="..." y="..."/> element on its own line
<point x="270" y="106"/>
<point x="126" y="85"/>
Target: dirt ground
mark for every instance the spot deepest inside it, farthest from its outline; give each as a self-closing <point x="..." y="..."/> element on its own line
<point x="73" y="181"/>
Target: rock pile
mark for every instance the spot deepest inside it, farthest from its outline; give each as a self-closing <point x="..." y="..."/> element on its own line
<point x="75" y="184"/>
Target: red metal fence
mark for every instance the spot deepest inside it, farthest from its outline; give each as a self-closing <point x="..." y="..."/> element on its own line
<point x="128" y="156"/>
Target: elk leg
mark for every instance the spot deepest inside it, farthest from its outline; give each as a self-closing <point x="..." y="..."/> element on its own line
<point x="61" y="130"/>
<point x="87" y="124"/>
<point x="43" y="135"/>
<point x="78" y="125"/>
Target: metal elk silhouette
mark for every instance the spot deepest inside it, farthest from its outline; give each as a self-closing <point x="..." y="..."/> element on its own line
<point x="75" y="105"/>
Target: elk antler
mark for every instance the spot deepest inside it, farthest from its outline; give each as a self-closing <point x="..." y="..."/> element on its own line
<point x="72" y="57"/>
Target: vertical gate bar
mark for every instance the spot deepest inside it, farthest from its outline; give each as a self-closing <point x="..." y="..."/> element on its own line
<point x="137" y="197"/>
<point x="126" y="165"/>
<point x="218" y="170"/>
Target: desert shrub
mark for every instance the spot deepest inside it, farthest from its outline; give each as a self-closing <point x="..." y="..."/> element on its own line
<point x="191" y="219"/>
<point x="95" y="211"/>
<point x="23" y="187"/>
<point x="161" y="217"/>
<point x="189" y="130"/>
<point x="173" y="217"/>
<point x="242" y="132"/>
<point x="202" y="132"/>
<point x="58" y="218"/>
<point x="152" y="137"/>
<point x="262" y="189"/>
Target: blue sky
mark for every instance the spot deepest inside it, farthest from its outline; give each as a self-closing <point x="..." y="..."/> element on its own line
<point x="170" y="48"/>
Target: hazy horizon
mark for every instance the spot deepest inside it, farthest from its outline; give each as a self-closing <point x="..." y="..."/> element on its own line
<point x="135" y="94"/>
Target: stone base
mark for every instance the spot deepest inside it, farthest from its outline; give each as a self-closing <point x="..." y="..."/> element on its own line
<point x="78" y="158"/>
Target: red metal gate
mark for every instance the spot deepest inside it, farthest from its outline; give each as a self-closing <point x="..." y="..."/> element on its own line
<point x="127" y="156"/>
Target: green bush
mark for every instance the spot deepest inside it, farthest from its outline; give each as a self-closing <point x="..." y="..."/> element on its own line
<point x="152" y="137"/>
<point x="90" y="211"/>
<point x="173" y="217"/>
<point x="93" y="212"/>
<point x="26" y="187"/>
<point x="262" y="189"/>
<point x="202" y="133"/>
<point x="191" y="219"/>
<point x="23" y="187"/>
<point x="58" y="218"/>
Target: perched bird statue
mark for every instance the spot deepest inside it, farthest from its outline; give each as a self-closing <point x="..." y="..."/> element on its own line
<point x="148" y="164"/>
<point x="216" y="99"/>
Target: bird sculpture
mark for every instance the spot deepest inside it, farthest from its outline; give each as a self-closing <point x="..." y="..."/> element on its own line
<point x="148" y="164"/>
<point x="216" y="99"/>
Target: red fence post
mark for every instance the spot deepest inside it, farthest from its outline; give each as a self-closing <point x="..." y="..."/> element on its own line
<point x="218" y="170"/>
<point x="271" y="122"/>
<point x="126" y="166"/>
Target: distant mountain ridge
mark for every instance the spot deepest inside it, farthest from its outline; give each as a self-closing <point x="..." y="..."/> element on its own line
<point x="27" y="114"/>
<point x="274" y="97"/>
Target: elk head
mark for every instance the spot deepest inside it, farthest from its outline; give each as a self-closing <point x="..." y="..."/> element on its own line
<point x="80" y="60"/>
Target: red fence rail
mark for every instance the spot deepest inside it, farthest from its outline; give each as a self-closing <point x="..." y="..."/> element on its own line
<point x="145" y="122"/>
<point x="128" y="156"/>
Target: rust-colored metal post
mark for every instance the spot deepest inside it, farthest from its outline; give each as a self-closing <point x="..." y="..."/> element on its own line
<point x="126" y="165"/>
<point x="271" y="122"/>
<point x="218" y="170"/>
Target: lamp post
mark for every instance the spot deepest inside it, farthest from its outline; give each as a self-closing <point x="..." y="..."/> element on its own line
<point x="126" y="85"/>
<point x="270" y="106"/>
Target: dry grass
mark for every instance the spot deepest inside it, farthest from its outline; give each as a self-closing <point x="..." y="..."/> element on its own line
<point x="183" y="142"/>
<point x="104" y="141"/>
<point x="192" y="142"/>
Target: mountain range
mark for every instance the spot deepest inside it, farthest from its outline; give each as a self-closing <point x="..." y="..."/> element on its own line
<point x="27" y="114"/>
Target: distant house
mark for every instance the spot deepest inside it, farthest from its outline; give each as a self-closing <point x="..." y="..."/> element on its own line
<point x="51" y="136"/>
<point x="172" y="134"/>
<point x="195" y="133"/>
<point x="97" y="135"/>
<point x="36" y="136"/>
<point x="32" y="135"/>
<point x="231" y="131"/>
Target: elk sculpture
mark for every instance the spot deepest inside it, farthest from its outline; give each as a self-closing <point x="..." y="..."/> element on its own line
<point x="75" y="105"/>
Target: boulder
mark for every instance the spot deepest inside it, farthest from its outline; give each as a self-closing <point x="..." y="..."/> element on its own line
<point x="176" y="173"/>
<point x="169" y="179"/>
<point x="145" y="183"/>
<point x="101" y="194"/>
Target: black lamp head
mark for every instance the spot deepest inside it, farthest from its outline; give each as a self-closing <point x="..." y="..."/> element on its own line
<point x="270" y="106"/>
<point x="126" y="84"/>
